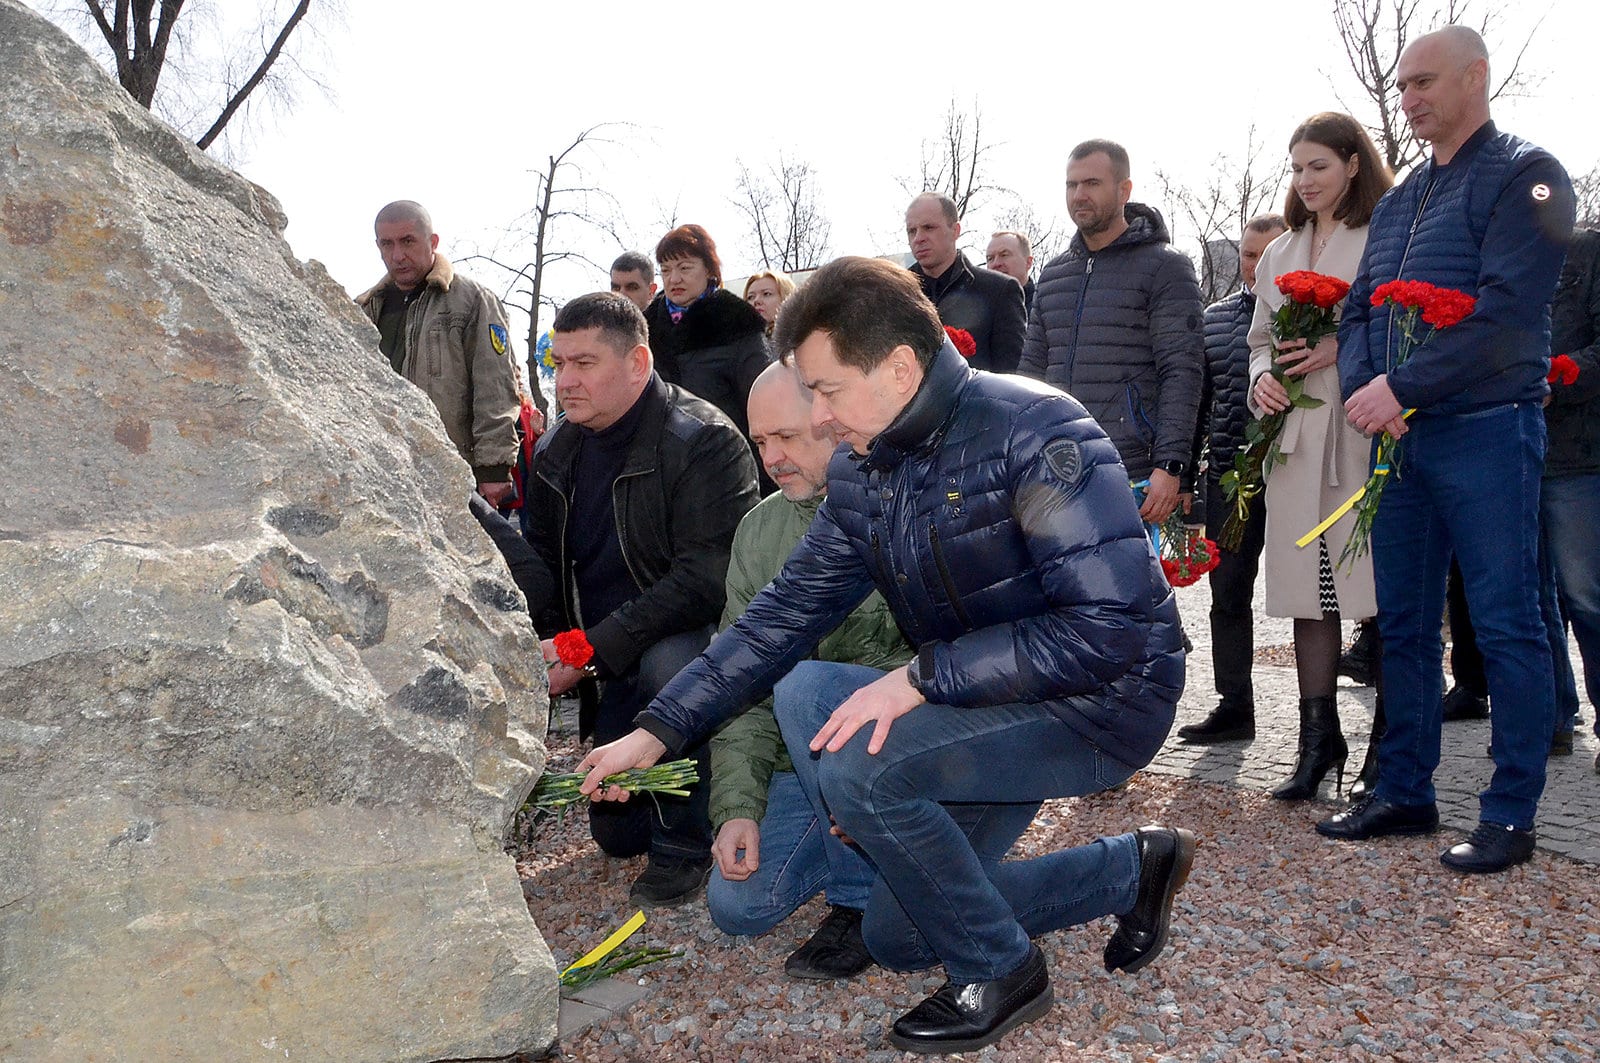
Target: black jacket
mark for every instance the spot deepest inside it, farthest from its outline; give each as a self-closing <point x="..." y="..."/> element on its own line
<point x="1223" y="413"/>
<point x="687" y="481"/>
<point x="985" y="303"/>
<point x="715" y="351"/>
<point x="1573" y="416"/>
<point x="996" y="520"/>
<point x="1119" y="330"/>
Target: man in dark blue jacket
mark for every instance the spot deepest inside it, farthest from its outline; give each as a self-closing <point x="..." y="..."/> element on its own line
<point x="1490" y="215"/>
<point x="994" y="516"/>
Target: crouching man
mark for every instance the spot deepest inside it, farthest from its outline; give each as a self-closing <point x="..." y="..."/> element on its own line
<point x="993" y="514"/>
<point x="773" y="850"/>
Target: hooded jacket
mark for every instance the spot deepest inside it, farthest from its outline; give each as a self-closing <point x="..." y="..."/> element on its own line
<point x="458" y="351"/>
<point x="1119" y="329"/>
<point x="995" y="518"/>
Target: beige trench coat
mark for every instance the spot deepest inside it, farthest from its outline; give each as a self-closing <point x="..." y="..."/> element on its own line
<point x="1325" y="459"/>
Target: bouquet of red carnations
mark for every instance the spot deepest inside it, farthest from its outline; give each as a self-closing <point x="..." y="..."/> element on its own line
<point x="1186" y="554"/>
<point x="1308" y="313"/>
<point x="1438" y="308"/>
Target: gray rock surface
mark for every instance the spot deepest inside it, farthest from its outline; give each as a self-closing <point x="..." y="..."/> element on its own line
<point x="268" y="696"/>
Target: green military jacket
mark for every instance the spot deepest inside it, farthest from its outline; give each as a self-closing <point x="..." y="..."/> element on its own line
<point x="746" y="752"/>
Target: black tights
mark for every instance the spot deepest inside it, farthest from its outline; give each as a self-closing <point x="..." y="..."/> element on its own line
<point x="1316" y="655"/>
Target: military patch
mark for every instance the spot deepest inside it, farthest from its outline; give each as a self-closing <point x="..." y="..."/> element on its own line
<point x="498" y="337"/>
<point x="1541" y="192"/>
<point x="1065" y="459"/>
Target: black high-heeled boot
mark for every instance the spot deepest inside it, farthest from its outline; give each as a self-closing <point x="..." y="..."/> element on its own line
<point x="1322" y="746"/>
<point x="1367" y="781"/>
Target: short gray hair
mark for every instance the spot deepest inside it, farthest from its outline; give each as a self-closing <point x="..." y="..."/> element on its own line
<point x="405" y="210"/>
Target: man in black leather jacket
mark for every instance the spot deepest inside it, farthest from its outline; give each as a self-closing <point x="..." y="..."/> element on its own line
<point x="637" y="492"/>
<point x="988" y="305"/>
<point x="994" y="516"/>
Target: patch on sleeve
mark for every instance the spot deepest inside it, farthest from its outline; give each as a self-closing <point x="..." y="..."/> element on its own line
<point x="1541" y="192"/>
<point x="498" y="337"/>
<point x="1065" y="459"/>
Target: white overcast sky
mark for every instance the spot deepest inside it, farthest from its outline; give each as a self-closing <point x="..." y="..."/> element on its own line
<point x="457" y="104"/>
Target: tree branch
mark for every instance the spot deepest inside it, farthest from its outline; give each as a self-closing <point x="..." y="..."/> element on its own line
<point x="256" y="78"/>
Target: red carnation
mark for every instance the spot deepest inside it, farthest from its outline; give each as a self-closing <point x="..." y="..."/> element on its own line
<point x="1445" y="307"/>
<point x="1563" y="370"/>
<point x="573" y="649"/>
<point x="963" y="341"/>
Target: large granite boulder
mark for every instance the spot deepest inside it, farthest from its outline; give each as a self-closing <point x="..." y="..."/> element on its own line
<point x="268" y="696"/>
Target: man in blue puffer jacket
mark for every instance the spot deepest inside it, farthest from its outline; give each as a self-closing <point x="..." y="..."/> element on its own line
<point x="1489" y="215"/>
<point x="994" y="516"/>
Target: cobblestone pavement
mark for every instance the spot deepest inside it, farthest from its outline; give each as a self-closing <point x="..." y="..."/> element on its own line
<point x="1569" y="815"/>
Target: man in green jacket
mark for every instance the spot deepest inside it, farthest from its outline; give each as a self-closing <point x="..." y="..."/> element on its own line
<point x="773" y="851"/>
<point x="447" y="334"/>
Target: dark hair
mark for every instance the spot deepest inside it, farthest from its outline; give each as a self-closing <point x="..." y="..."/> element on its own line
<point x="634" y="262"/>
<point x="868" y="307"/>
<point x="947" y="206"/>
<point x="1345" y="137"/>
<point x="613" y="314"/>
<point x="1121" y="169"/>
<point x="691" y="241"/>
<point x="1266" y="223"/>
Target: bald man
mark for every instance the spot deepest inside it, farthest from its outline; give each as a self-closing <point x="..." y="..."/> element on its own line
<point x="773" y="849"/>
<point x="1488" y="214"/>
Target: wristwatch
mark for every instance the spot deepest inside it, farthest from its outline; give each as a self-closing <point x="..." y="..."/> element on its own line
<point x="1173" y="468"/>
<point x="914" y="673"/>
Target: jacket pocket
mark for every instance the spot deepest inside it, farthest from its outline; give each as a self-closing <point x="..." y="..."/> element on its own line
<point x="945" y="577"/>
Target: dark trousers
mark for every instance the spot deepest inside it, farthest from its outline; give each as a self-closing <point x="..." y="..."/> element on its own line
<point x="1233" y="588"/>
<point x="671" y="828"/>
<point x="1466" y="662"/>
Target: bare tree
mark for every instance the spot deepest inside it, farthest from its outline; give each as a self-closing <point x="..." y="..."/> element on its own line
<point x="954" y="163"/>
<point x="1375" y="32"/>
<point x="786" y="219"/>
<point x="562" y="193"/>
<point x="1586" y="188"/>
<point x="1215" y="213"/>
<point x="1046" y="236"/>
<point x="147" y="37"/>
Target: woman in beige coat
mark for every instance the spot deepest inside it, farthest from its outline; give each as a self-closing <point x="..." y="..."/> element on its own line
<point x="1337" y="179"/>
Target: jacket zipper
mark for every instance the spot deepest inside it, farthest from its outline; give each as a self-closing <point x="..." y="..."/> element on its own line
<point x="573" y="607"/>
<point x="622" y="536"/>
<point x="1077" y="318"/>
<point x="1400" y="271"/>
<point x="944" y="575"/>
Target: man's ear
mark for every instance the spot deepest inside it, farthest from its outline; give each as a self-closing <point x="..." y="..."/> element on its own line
<point x="640" y="362"/>
<point x="1125" y="190"/>
<point x="907" y="370"/>
<point x="433" y="241"/>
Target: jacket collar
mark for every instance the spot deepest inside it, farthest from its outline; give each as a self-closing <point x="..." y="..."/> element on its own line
<point x="1469" y="147"/>
<point x="441" y="276"/>
<point x="923" y="420"/>
<point x="1145" y="226"/>
<point x="935" y="287"/>
<point x="557" y="462"/>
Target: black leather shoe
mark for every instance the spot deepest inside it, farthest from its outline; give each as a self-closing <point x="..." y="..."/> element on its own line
<point x="1165" y="857"/>
<point x="1491" y="848"/>
<point x="668" y="883"/>
<point x="1462" y="704"/>
<point x="834" y="951"/>
<point x="1230" y="721"/>
<point x="1372" y="818"/>
<point x="1561" y="744"/>
<point x="963" y="1018"/>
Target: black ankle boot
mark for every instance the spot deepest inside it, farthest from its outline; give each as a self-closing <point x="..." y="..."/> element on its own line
<point x="1367" y="781"/>
<point x="1321" y="747"/>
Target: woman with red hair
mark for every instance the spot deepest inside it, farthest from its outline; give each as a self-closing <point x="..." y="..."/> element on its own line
<point x="704" y="337"/>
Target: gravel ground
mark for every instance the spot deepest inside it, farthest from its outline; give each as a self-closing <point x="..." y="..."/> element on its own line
<point x="1285" y="946"/>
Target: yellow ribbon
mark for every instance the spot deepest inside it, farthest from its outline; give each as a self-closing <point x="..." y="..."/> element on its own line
<point x="609" y="945"/>
<point x="1377" y="470"/>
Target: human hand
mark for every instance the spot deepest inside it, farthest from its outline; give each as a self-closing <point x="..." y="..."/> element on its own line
<point x="1299" y="360"/>
<point x="1160" y="498"/>
<point x="495" y="494"/>
<point x="736" y="836"/>
<point x="636" y="749"/>
<point x="563" y="677"/>
<point x="880" y="702"/>
<point x="1373" y="408"/>
<point x="1270" y="396"/>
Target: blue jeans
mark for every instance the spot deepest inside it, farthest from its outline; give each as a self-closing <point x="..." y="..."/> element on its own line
<point x="939" y="806"/>
<point x="1570" y="509"/>
<point x="1469" y="484"/>
<point x="795" y="867"/>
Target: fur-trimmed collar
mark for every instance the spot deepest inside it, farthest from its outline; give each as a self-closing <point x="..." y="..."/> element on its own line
<point x="441" y="276"/>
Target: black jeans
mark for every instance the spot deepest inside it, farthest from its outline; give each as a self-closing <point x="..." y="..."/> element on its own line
<point x="671" y="828"/>
<point x="1233" y="587"/>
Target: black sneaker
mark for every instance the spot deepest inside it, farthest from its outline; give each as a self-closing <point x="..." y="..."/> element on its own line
<point x="835" y="951"/>
<point x="1165" y="857"/>
<point x="668" y="883"/>
<point x="1492" y="847"/>
<point x="964" y="1018"/>
<point x="1461" y="704"/>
